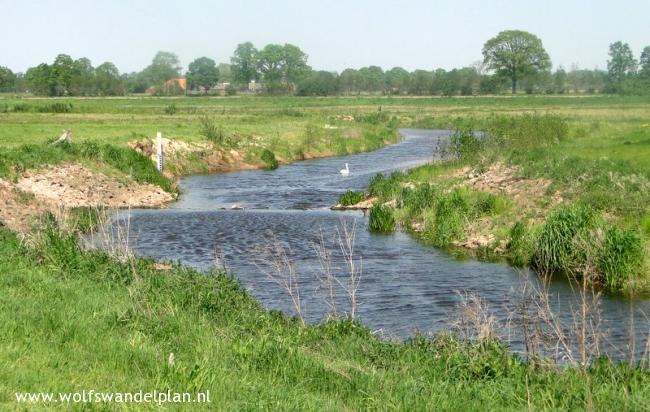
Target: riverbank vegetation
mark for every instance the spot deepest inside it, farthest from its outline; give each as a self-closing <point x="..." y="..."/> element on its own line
<point x="554" y="192"/>
<point x="118" y="324"/>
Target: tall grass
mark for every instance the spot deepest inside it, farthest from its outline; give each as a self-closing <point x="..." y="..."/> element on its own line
<point x="381" y="219"/>
<point x="557" y="248"/>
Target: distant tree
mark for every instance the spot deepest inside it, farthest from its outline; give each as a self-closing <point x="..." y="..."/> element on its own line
<point x="61" y="73"/>
<point x="38" y="80"/>
<point x="372" y="79"/>
<point x="421" y="83"/>
<point x="491" y="84"/>
<point x="515" y="54"/>
<point x="318" y="83"/>
<point x="295" y="65"/>
<point x="620" y="67"/>
<point x="243" y="63"/>
<point x="225" y="72"/>
<point x="281" y="66"/>
<point x="202" y="72"/>
<point x="644" y="63"/>
<point x="350" y="81"/>
<point x="397" y="80"/>
<point x="108" y="81"/>
<point x="82" y="82"/>
<point x="560" y="80"/>
<point x="163" y="67"/>
<point x="7" y="79"/>
<point x="269" y="63"/>
<point x="135" y="82"/>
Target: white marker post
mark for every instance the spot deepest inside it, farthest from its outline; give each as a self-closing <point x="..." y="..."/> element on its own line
<point x="159" y="151"/>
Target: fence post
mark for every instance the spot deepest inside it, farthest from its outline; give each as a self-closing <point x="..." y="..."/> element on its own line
<point x="159" y="151"/>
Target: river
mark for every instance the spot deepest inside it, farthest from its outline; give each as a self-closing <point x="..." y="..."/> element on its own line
<point x="404" y="287"/>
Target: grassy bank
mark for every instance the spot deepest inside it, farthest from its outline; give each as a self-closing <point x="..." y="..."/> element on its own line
<point x="211" y="134"/>
<point x="75" y="319"/>
<point x="559" y="193"/>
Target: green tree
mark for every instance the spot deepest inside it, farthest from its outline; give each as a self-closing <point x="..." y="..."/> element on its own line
<point x="7" y="79"/>
<point x="108" y="81"/>
<point x="225" y="72"/>
<point x="61" y="73"/>
<point x="202" y="72"/>
<point x="621" y="67"/>
<point x="397" y="80"/>
<point x="38" y="80"/>
<point x="295" y="65"/>
<point x="243" y="63"/>
<point x="644" y="63"/>
<point x="82" y="82"/>
<point x="350" y="81"/>
<point x="281" y="66"/>
<point x="319" y="83"/>
<point x="560" y="80"/>
<point x="372" y="79"/>
<point x="163" y="67"/>
<point x="421" y="83"/>
<point x="515" y="54"/>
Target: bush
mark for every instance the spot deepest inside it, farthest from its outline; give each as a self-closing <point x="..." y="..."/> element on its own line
<point x="57" y="107"/>
<point x="209" y="129"/>
<point x="269" y="160"/>
<point x="556" y="249"/>
<point x="462" y="145"/>
<point x="351" y="198"/>
<point x="381" y="219"/>
<point x="621" y="258"/>
<point x="171" y="109"/>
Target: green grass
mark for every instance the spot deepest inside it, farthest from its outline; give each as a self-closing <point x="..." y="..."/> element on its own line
<point x="72" y="319"/>
<point x="351" y="198"/>
<point x="381" y="219"/>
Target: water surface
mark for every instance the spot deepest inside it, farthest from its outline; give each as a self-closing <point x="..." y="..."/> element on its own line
<point x="405" y="286"/>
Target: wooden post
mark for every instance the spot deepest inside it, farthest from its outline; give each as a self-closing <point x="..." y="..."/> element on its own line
<point x="159" y="151"/>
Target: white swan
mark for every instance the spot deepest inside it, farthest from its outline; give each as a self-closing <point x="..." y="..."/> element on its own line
<point x="345" y="171"/>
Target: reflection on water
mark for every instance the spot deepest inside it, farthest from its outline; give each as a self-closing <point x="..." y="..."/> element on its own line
<point x="405" y="286"/>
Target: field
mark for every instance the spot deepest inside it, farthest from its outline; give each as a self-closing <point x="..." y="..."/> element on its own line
<point x="118" y="323"/>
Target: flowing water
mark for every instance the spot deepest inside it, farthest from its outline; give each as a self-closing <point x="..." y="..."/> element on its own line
<point x="405" y="286"/>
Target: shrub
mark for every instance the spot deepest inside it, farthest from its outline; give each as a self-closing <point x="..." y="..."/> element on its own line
<point x="269" y="160"/>
<point x="351" y="198"/>
<point x="462" y="145"/>
<point x="171" y="109"/>
<point x="57" y="107"/>
<point x="556" y="249"/>
<point x="381" y="219"/>
<point x="621" y="257"/>
<point x="209" y="129"/>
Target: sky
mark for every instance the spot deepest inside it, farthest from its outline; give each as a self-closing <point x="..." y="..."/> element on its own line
<point x="336" y="34"/>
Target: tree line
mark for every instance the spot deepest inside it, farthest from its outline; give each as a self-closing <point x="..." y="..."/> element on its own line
<point x="512" y="61"/>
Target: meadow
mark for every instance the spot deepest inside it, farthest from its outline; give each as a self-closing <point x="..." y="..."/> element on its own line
<point x="72" y="318"/>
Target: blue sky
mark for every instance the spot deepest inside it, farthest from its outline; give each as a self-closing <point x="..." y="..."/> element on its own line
<point x="336" y="34"/>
